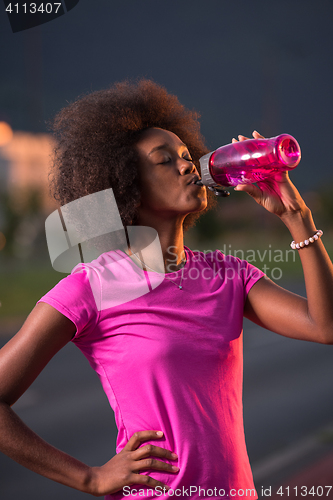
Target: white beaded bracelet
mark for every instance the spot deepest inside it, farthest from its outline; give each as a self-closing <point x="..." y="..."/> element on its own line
<point x="307" y="242"/>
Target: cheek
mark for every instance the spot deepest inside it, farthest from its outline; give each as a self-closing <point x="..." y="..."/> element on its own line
<point x="155" y="187"/>
<point x="153" y="194"/>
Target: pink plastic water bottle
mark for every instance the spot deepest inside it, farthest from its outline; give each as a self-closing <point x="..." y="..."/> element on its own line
<point x="249" y="161"/>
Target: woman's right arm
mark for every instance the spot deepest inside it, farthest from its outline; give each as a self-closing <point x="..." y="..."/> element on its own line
<point x="43" y="334"/>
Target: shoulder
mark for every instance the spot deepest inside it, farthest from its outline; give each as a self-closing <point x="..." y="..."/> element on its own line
<point x="216" y="257"/>
<point x="229" y="268"/>
<point x="71" y="287"/>
<point x="73" y="297"/>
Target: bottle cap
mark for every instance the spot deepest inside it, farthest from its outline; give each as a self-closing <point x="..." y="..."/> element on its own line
<point x="206" y="178"/>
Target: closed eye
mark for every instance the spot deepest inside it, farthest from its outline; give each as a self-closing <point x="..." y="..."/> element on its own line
<point x="168" y="160"/>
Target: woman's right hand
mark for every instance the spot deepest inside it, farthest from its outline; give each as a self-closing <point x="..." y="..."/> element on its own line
<point x="124" y="468"/>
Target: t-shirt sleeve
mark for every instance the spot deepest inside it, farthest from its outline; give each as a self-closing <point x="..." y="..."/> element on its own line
<point x="251" y="275"/>
<point x="242" y="271"/>
<point x="73" y="298"/>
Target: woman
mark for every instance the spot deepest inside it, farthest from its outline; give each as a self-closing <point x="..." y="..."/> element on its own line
<point x="169" y="360"/>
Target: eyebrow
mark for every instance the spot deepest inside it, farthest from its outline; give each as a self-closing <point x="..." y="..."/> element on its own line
<point x="164" y="146"/>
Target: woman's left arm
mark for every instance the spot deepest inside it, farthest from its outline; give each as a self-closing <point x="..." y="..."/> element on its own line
<point x="273" y="307"/>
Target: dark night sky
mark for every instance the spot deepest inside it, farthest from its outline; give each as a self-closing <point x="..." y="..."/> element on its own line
<point x="243" y="65"/>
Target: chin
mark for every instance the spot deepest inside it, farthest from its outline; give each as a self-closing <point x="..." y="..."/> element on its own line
<point x="200" y="207"/>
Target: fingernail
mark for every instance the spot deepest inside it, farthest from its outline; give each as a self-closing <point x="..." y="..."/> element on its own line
<point x="175" y="468"/>
<point x="159" y="433"/>
<point x="174" y="456"/>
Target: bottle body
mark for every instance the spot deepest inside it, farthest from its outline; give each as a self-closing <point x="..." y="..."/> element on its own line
<point x="249" y="161"/>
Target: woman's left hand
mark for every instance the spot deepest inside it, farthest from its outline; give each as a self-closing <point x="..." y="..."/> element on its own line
<point x="277" y="194"/>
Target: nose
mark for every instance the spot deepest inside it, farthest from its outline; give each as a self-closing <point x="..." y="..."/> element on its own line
<point x="187" y="167"/>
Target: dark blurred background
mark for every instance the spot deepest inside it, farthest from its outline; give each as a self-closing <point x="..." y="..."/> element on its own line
<point x="243" y="65"/>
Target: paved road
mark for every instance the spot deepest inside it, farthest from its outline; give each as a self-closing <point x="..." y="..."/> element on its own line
<point x="287" y="396"/>
<point x="287" y="390"/>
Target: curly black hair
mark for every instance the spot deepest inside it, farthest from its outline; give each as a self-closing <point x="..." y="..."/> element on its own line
<point x="96" y="137"/>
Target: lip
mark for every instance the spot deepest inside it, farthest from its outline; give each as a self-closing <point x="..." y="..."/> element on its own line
<point x="194" y="178"/>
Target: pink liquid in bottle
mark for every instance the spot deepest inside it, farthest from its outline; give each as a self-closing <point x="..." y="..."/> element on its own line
<point x="249" y="161"/>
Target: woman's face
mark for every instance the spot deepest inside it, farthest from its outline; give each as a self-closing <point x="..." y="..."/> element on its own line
<point x="167" y="176"/>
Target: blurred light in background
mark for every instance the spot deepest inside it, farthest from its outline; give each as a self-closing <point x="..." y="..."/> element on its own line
<point x="6" y="133"/>
<point x="25" y="202"/>
<point x="27" y="159"/>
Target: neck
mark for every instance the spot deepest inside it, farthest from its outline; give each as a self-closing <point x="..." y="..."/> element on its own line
<point x="171" y="237"/>
<point x="172" y="244"/>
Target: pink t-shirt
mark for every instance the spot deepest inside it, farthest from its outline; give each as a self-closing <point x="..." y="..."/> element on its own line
<point x="170" y="360"/>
